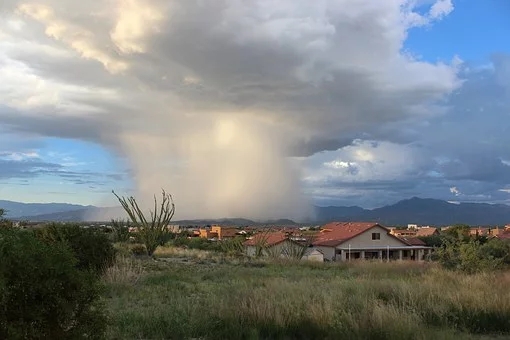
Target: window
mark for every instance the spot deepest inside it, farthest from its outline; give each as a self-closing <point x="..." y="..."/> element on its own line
<point x="376" y="236"/>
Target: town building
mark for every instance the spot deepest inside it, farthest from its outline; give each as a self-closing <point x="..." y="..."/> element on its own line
<point x="345" y="241"/>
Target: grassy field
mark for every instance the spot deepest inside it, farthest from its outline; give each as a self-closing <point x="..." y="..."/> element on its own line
<point x="200" y="295"/>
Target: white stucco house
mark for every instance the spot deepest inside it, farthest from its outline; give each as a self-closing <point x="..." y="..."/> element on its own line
<point x="345" y="241"/>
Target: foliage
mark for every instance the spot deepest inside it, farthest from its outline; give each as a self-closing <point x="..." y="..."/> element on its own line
<point x="295" y="251"/>
<point x="301" y="300"/>
<point x="92" y="248"/>
<point x="120" y="230"/>
<point x="139" y="249"/>
<point x="4" y="222"/>
<point x="233" y="246"/>
<point x="197" y="243"/>
<point x="432" y="241"/>
<point x="125" y="270"/>
<point x="153" y="232"/>
<point x="43" y="295"/>
<point x="261" y="245"/>
<point x="472" y="254"/>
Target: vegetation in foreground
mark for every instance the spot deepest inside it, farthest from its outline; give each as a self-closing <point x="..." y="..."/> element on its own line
<point x="52" y="280"/>
<point x="213" y="297"/>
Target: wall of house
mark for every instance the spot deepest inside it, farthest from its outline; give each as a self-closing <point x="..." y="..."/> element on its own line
<point x="278" y="249"/>
<point x="314" y="256"/>
<point x="329" y="252"/>
<point x="364" y="240"/>
<point x="250" y="250"/>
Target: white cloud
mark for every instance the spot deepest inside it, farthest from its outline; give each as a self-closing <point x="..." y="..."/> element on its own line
<point x="363" y="161"/>
<point x="77" y="38"/>
<point x="19" y="156"/>
<point x="455" y="191"/>
<point x="441" y="9"/>
<point x="225" y="90"/>
<point x="135" y="21"/>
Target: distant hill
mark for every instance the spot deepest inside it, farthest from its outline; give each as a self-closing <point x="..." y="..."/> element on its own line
<point x="17" y="209"/>
<point x="424" y="211"/>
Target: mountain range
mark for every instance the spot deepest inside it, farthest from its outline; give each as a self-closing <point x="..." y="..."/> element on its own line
<point x="422" y="211"/>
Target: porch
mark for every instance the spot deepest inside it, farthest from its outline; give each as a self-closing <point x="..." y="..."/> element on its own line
<point x="406" y="253"/>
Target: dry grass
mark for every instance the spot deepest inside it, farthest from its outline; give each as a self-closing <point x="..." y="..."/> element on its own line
<point x="291" y="300"/>
<point x="126" y="270"/>
<point x="163" y="252"/>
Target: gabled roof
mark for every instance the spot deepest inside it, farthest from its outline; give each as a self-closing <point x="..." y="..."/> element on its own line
<point x="342" y="231"/>
<point x="413" y="241"/>
<point x="266" y="239"/>
<point x="427" y="231"/>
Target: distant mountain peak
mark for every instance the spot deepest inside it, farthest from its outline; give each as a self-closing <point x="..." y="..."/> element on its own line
<point x="424" y="211"/>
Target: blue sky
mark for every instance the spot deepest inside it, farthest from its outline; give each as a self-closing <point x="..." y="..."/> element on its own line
<point x="76" y="171"/>
<point x="250" y="105"/>
<point x="474" y="31"/>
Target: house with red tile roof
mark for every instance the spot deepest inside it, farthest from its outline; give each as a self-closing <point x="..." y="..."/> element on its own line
<point x="345" y="241"/>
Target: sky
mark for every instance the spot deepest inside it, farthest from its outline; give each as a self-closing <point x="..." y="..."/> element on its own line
<point x="255" y="108"/>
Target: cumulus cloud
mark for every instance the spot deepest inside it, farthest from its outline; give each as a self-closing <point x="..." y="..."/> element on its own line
<point x="455" y="191"/>
<point x="208" y="99"/>
<point x="435" y="157"/>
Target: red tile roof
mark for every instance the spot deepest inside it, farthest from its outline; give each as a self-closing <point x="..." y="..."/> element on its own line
<point x="266" y="239"/>
<point x="504" y="235"/>
<point x="426" y="231"/>
<point x="413" y="241"/>
<point x="341" y="232"/>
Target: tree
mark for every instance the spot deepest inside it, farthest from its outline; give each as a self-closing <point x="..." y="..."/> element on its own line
<point x="153" y="232"/>
<point x="43" y="293"/>
<point x="432" y="240"/>
<point x="4" y="222"/>
<point x="91" y="247"/>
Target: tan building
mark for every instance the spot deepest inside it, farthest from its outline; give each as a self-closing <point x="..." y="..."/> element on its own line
<point x="403" y="232"/>
<point x="223" y="232"/>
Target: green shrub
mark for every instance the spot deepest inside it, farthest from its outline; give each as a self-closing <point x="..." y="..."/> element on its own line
<point x="4" y="223"/>
<point x="197" y="243"/>
<point x="43" y="295"/>
<point x="139" y="249"/>
<point x="432" y="241"/>
<point x="473" y="255"/>
<point x="92" y="248"/>
<point x="120" y="230"/>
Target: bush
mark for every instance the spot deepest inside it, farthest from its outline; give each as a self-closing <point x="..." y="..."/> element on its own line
<point x="120" y="230"/>
<point x="432" y="241"/>
<point x="197" y="243"/>
<point x="139" y="249"/>
<point x="4" y="223"/>
<point x="92" y="248"/>
<point x="43" y="295"/>
<point x="473" y="255"/>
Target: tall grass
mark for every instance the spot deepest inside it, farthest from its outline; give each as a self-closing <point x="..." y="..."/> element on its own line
<point x="125" y="270"/>
<point x="295" y="300"/>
